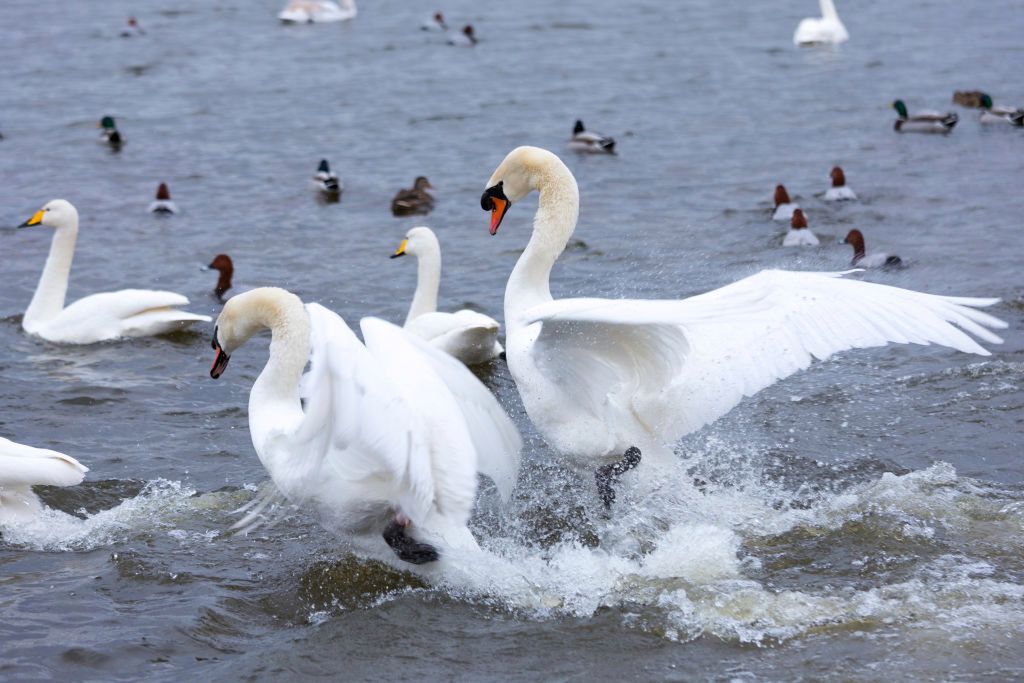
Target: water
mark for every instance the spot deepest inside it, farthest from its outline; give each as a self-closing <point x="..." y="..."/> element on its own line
<point x="861" y="520"/>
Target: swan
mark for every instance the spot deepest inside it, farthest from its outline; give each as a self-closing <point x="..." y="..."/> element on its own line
<point x="414" y="200"/>
<point x="326" y="180"/>
<point x="828" y="30"/>
<point x="380" y="440"/>
<point x="467" y="335"/>
<point x="861" y="259"/>
<point x="799" y="234"/>
<point x="616" y="378"/>
<point x="839" y="190"/>
<point x="109" y="133"/>
<point x="923" y="121"/>
<point x="163" y="202"/>
<point x="467" y="38"/>
<point x="784" y="207"/>
<point x="317" y="11"/>
<point x="584" y="140"/>
<point x="98" y="317"/>
<point x="1000" y="113"/>
<point x="21" y="468"/>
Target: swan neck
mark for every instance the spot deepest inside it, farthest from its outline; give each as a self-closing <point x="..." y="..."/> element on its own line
<point x="828" y="9"/>
<point x="428" y="282"/>
<point x="276" y="391"/>
<point x="553" y="225"/>
<point x="48" y="300"/>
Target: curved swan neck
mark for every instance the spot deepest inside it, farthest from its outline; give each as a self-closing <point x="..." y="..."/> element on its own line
<point x="428" y="280"/>
<point x="553" y="225"/>
<point x="48" y="300"/>
<point x="828" y="9"/>
<point x="289" y="351"/>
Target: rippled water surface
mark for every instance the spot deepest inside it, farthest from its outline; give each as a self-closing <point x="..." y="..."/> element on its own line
<point x="860" y="521"/>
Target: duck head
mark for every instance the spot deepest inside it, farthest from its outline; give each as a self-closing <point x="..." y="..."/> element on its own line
<point x="162" y="193"/>
<point x="900" y="108"/>
<point x="469" y="33"/>
<point x="439" y="20"/>
<point x="838" y="177"/>
<point x="324" y="167"/>
<point x="57" y="213"/>
<point x="578" y="128"/>
<point x="855" y="239"/>
<point x="422" y="183"/>
<point x="798" y="221"/>
<point x="107" y="123"/>
<point x="781" y="196"/>
<point x="986" y="101"/>
<point x="222" y="264"/>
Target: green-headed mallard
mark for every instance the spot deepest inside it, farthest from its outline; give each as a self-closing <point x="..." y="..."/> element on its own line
<point x="1000" y="114"/>
<point x="923" y="122"/>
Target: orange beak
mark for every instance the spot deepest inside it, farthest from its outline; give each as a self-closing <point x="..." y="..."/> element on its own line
<point x="499" y="207"/>
<point x="220" y="361"/>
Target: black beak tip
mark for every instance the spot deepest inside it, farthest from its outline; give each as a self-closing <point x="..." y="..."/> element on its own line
<point x="396" y="255"/>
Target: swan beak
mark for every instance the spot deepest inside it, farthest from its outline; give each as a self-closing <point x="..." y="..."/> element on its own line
<point x="36" y="219"/>
<point x="495" y="201"/>
<point x="401" y="249"/>
<point x="220" y="361"/>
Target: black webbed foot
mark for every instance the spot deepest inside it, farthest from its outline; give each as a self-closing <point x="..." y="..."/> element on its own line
<point x="406" y="548"/>
<point x="609" y="474"/>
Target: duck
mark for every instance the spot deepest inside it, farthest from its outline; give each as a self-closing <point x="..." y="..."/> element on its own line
<point x="382" y="439"/>
<point x="317" y="11"/>
<point x="968" y="98"/>
<point x="97" y="317"/>
<point x="21" y="468"/>
<point x="827" y="30"/>
<point x="617" y="381"/>
<point x="109" y="133"/>
<point x="923" y="122"/>
<point x="132" y="29"/>
<point x="466" y="335"/>
<point x="839" y="191"/>
<point x="861" y="259"/>
<point x="467" y="38"/>
<point x="163" y="203"/>
<point x="436" y="23"/>
<point x="784" y="206"/>
<point x="222" y="264"/>
<point x="583" y="140"/>
<point x="326" y="180"/>
<point x="1000" y="114"/>
<point x="799" y="235"/>
<point x="414" y="200"/>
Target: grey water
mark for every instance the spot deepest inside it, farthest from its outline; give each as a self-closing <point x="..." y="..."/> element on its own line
<point x="862" y="520"/>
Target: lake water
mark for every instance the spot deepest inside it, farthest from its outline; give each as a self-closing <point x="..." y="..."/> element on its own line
<point x="859" y="521"/>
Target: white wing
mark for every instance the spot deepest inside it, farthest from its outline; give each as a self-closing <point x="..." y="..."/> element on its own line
<point x="128" y="312"/>
<point x="493" y="435"/>
<point x="678" y="365"/>
<point x="22" y="465"/>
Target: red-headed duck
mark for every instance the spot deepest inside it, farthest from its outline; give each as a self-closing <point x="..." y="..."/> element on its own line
<point x="222" y="263"/>
<point x="163" y="203"/>
<point x="839" y="190"/>
<point x="784" y="208"/>
<point x="863" y="260"/>
<point x="799" y="235"/>
<point x="435" y="23"/>
<point x="467" y="38"/>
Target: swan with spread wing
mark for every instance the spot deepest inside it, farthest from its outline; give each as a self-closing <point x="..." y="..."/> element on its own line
<point x="616" y="379"/>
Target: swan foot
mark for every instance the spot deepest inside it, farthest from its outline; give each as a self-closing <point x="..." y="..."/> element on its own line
<point x="609" y="474"/>
<point x="407" y="549"/>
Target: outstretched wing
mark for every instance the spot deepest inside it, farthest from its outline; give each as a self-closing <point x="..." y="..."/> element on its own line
<point x="493" y="435"/>
<point x="683" y="364"/>
<point x="22" y="465"/>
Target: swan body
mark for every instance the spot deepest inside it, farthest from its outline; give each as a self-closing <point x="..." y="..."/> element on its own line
<point x="598" y="376"/>
<point x="317" y="11"/>
<point x="389" y="429"/>
<point x="467" y="335"/>
<point x="98" y="317"/>
<point x="799" y="234"/>
<point x="827" y="30"/>
<point x="163" y="203"/>
<point x="839" y="191"/>
<point x="923" y="121"/>
<point x="414" y="200"/>
<point x="784" y="207"/>
<point x="21" y="468"/>
<point x="862" y="259"/>
<point x="584" y="140"/>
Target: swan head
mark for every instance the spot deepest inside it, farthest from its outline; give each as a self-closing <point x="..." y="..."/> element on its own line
<point x="519" y="174"/>
<point x="838" y="177"/>
<point x="420" y="240"/>
<point x="246" y="314"/>
<point x="781" y="196"/>
<point x="57" y="213"/>
<point x="798" y="221"/>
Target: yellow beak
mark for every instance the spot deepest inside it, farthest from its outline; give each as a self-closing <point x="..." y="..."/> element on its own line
<point x="401" y="249"/>
<point x="36" y="219"/>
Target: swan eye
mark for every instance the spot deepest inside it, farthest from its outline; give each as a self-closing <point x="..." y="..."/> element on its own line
<point x="497" y="191"/>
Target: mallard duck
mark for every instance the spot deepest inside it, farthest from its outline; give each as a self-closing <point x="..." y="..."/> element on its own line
<point x="465" y="39"/>
<point x="1000" y="114"/>
<point x="584" y="140"/>
<point x="110" y="134"/>
<point x="923" y="122"/>
<point x="326" y="180"/>
<point x="862" y="259"/>
<point x="839" y="191"/>
<point x="968" y="98"/>
<point x="799" y="234"/>
<point x="436" y="23"/>
<point x="415" y="200"/>
<point x="784" y="207"/>
<point x="163" y="203"/>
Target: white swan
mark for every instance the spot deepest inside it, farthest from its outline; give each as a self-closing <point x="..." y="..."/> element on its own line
<point x="839" y="191"/>
<point x="467" y="335"/>
<point x="799" y="234"/>
<point x="98" y="317"/>
<point x="826" y="30"/>
<point x="601" y="376"/>
<point x="317" y="11"/>
<point x="21" y="468"/>
<point x="382" y="438"/>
